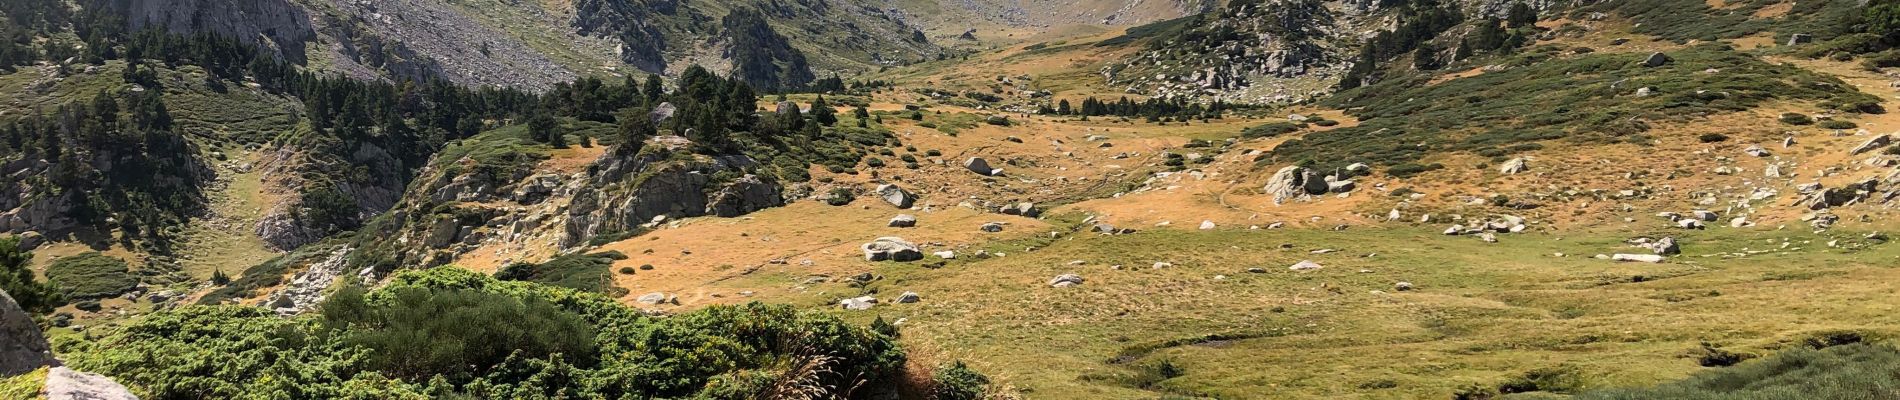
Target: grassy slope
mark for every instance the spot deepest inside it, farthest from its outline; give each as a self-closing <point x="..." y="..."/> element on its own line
<point x="1483" y="313"/>
<point x="24" y="386"/>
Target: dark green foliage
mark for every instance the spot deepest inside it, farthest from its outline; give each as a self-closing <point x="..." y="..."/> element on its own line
<point x="1853" y="371"/>
<point x="1712" y="138"/>
<point x="455" y="333"/>
<point x="1796" y="119"/>
<point x="16" y="279"/>
<point x="153" y="180"/>
<point x="545" y="129"/>
<point x="1836" y="124"/>
<point x="840" y="196"/>
<point x="1576" y="98"/>
<point x="958" y="382"/>
<point x="578" y="271"/>
<point x="1407" y="170"/>
<point x="91" y="275"/>
<point x="1152" y="108"/>
<point x="1270" y="130"/>
<point x="823" y="113"/>
<point x="415" y="333"/>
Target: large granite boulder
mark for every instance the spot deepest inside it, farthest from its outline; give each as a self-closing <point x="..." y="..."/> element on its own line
<point x="22" y="348"/>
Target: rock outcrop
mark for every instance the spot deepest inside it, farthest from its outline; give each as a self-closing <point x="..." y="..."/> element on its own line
<point x="22" y="348"/>
<point x="624" y="192"/>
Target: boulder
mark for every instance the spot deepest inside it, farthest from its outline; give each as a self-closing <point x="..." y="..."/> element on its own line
<point x="1690" y="224"/>
<point x="1872" y="144"/>
<point x="897" y="196"/>
<point x="1305" y="265"/>
<point x="1402" y="286"/>
<point x="981" y="167"/>
<point x="1207" y="225"/>
<point x="1647" y="258"/>
<point x="1313" y="183"/>
<point x="1026" y="209"/>
<point x="442" y="232"/>
<point x="66" y="384"/>
<point x="30" y="240"/>
<point x="662" y="112"/>
<point x="1288" y="183"/>
<point x="1756" y="151"/>
<point x="1515" y="166"/>
<point x="1339" y="186"/>
<point x="1359" y="168"/>
<point x="1656" y="60"/>
<point x="858" y="303"/>
<point x="892" y="249"/>
<point x="908" y="297"/>
<point x="22" y="348"/>
<point x="1706" y="215"/>
<point x="1065" y="280"/>
<point x="1667" y="247"/>
<point x="946" y="254"/>
<point x="651" y="298"/>
<point x="903" y="221"/>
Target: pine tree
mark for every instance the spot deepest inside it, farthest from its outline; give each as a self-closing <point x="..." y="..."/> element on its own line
<point x="823" y="113"/>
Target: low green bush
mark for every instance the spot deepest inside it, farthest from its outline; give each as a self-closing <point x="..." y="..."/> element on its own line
<point x="452" y="333"/>
<point x="1836" y="124"/>
<point x="1796" y="119"/>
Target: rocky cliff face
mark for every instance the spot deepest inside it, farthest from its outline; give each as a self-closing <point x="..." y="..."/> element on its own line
<point x="290" y="222"/>
<point x="522" y="214"/>
<point x="275" y="24"/>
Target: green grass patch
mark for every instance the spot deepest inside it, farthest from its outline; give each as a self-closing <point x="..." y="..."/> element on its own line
<point x="583" y="272"/>
<point x="23" y="386"/>
<point x="1544" y="96"/>
<point x="91" y="275"/>
<point x="1852" y="371"/>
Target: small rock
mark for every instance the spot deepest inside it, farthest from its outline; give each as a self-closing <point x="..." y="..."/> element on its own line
<point x="1065" y="280"/>
<point x="858" y="303"/>
<point x="903" y="221"/>
<point x="992" y="227"/>
<point x="1647" y="258"/>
